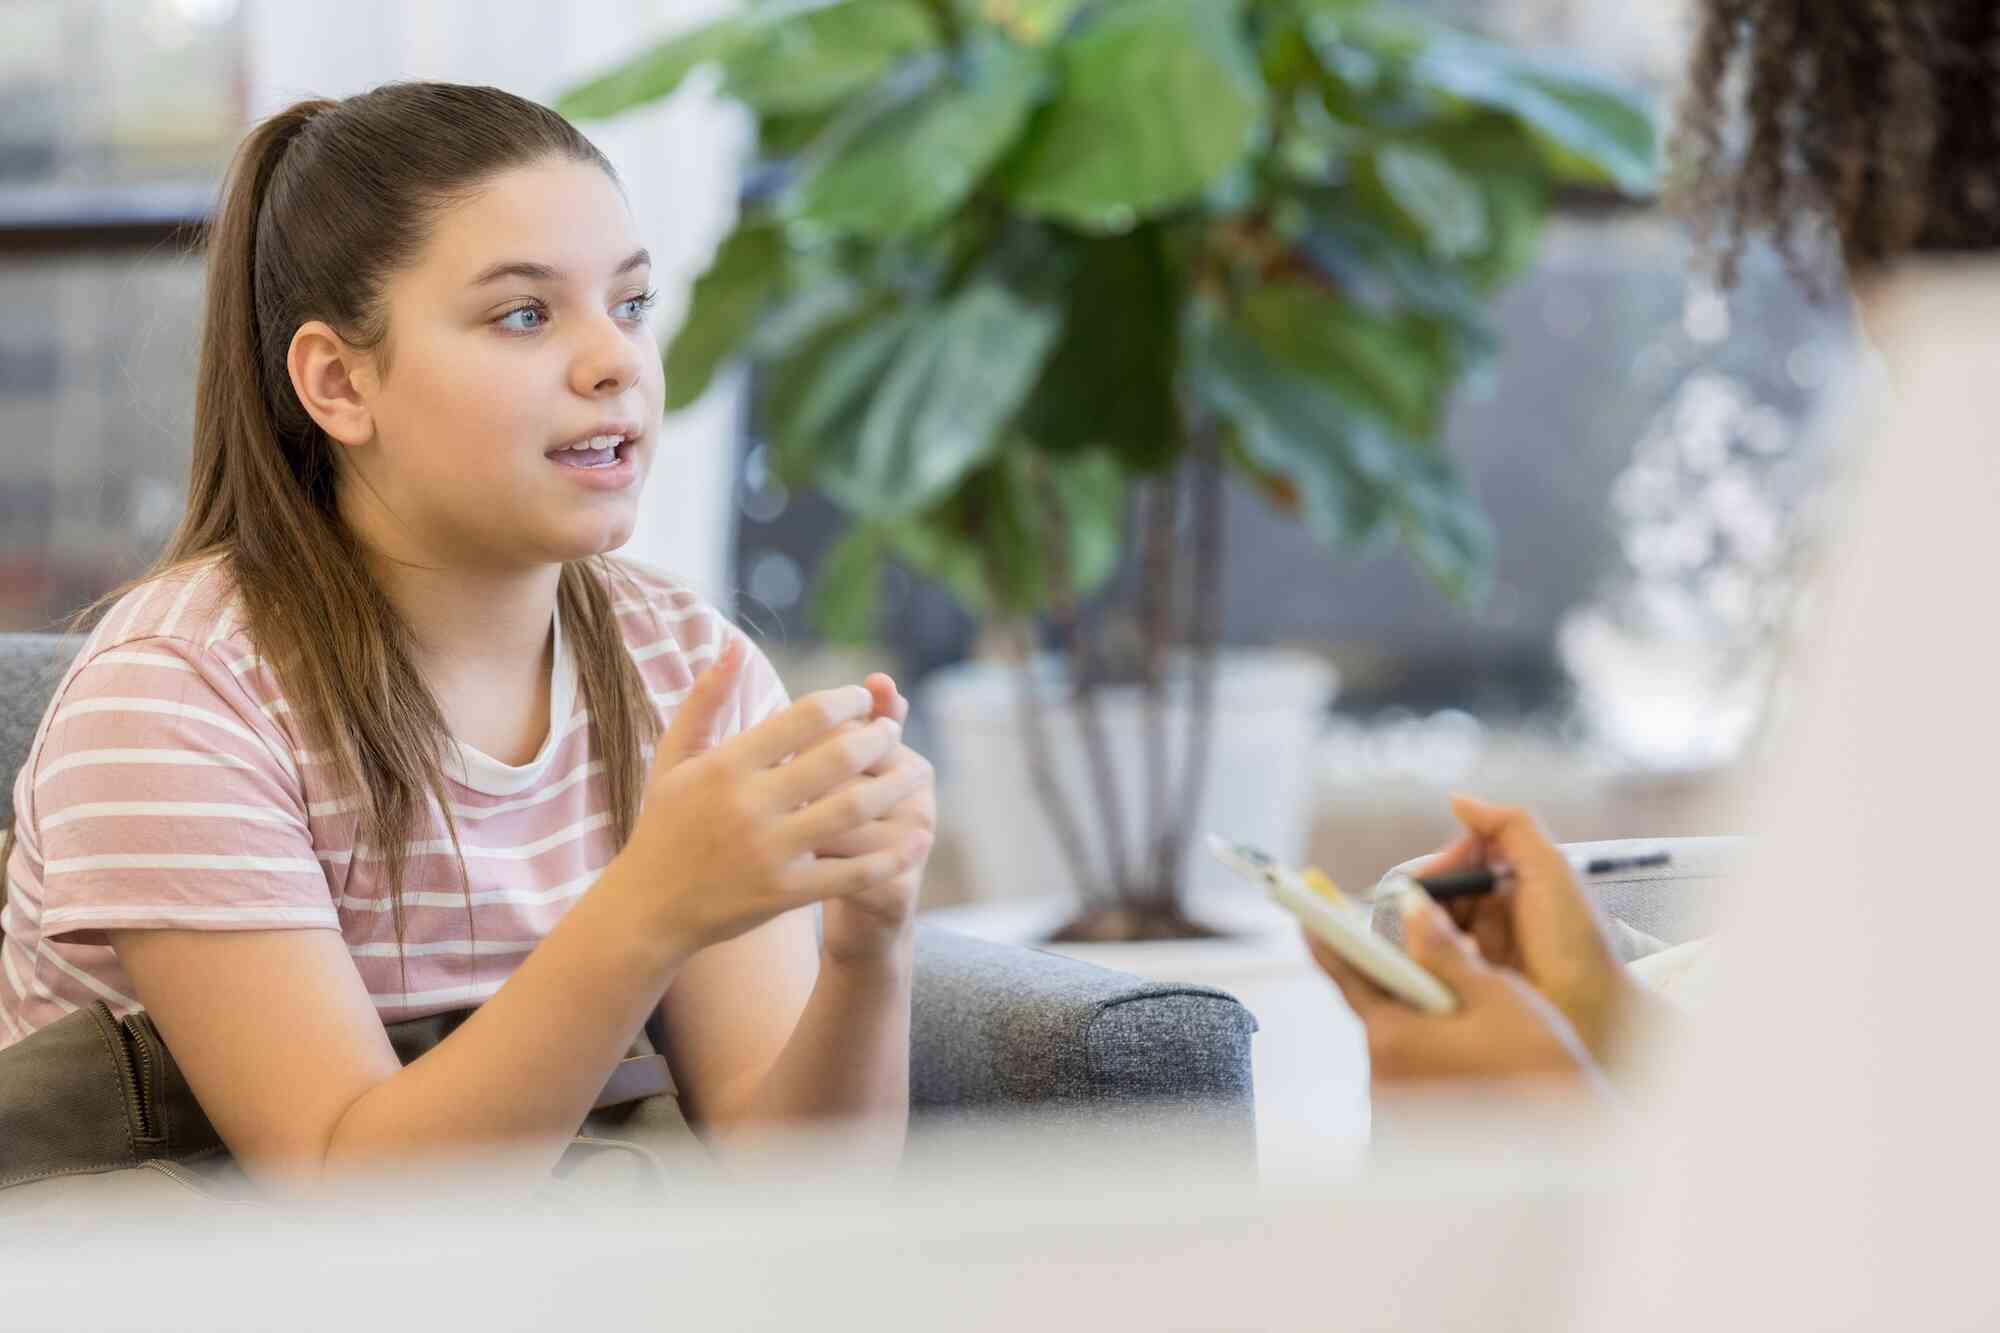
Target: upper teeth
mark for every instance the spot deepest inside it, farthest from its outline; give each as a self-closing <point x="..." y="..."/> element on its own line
<point x="598" y="442"/>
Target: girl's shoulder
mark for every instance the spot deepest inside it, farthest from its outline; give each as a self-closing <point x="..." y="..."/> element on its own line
<point x="655" y="608"/>
<point x="196" y="605"/>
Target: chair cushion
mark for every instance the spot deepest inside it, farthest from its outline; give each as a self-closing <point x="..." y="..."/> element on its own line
<point x="31" y="665"/>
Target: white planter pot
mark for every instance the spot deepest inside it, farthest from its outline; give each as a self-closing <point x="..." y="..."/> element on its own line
<point x="1269" y="707"/>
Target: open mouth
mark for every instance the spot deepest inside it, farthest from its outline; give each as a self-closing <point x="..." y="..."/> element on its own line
<point x="601" y="451"/>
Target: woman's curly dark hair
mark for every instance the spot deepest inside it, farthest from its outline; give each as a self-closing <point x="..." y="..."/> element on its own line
<point x="1848" y="130"/>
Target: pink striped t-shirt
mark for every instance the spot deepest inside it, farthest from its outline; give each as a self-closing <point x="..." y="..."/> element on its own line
<point x="168" y="786"/>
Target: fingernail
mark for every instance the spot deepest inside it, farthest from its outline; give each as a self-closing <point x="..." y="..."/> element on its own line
<point x="1420" y="910"/>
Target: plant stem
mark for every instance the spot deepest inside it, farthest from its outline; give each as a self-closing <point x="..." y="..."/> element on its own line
<point x="1159" y="515"/>
<point x="1041" y="772"/>
<point x="1210" y="495"/>
<point x="1082" y="660"/>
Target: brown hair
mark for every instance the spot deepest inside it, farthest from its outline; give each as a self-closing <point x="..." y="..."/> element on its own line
<point x="1855" y="131"/>
<point x="323" y="203"/>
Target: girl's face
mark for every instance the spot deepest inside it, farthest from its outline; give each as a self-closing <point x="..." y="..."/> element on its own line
<point x="520" y="331"/>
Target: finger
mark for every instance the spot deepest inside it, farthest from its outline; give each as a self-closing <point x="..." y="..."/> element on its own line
<point x="1465" y="852"/>
<point x="699" y="716"/>
<point x="1492" y="926"/>
<point x="1513" y="834"/>
<point x="1363" y="996"/>
<point x="913" y="812"/>
<point x="853" y="804"/>
<point x="889" y="702"/>
<point x="880" y="835"/>
<point x="848" y="752"/>
<point x="839" y="877"/>
<point x="793" y="730"/>
<point x="1438" y="946"/>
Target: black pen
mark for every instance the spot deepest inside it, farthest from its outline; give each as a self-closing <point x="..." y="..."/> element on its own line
<point x="1484" y="879"/>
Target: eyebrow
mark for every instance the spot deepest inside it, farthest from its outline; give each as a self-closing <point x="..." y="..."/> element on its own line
<point x="533" y="272"/>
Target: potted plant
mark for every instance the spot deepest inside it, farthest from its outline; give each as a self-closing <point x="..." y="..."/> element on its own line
<point x="1023" y="276"/>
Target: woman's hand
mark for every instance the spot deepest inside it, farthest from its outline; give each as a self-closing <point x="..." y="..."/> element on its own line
<point x="1502" y="1029"/>
<point x="1538" y="922"/>
<point x="864" y="926"/>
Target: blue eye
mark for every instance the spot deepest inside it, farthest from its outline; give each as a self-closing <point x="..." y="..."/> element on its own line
<point x="540" y="318"/>
<point x="639" y="305"/>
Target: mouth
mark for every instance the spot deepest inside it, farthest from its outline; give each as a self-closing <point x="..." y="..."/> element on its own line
<point x="607" y="449"/>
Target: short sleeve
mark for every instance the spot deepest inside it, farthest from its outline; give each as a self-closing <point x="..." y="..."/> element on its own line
<point x="759" y="691"/>
<point x="166" y="796"/>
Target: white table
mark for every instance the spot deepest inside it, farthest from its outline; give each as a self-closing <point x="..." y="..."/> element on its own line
<point x="1308" y="1059"/>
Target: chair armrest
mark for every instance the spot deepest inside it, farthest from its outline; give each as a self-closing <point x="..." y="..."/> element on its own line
<point x="1673" y="904"/>
<point x="997" y="1028"/>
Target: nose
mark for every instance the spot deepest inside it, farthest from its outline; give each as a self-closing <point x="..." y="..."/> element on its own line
<point x="607" y="362"/>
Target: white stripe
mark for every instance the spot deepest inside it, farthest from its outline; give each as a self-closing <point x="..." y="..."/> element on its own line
<point x="36" y="974"/>
<point x="17" y="885"/>
<point x="581" y="773"/>
<point x="250" y="663"/>
<point x="699" y="655"/>
<point x="225" y="624"/>
<point x="187" y="594"/>
<point x="668" y="698"/>
<point x="524" y="852"/>
<point x="472" y="948"/>
<point x="672" y="613"/>
<point x="93" y="983"/>
<point x="571" y="888"/>
<point x="140" y="598"/>
<point x="173" y="912"/>
<point x="410" y="1000"/>
<point x="176" y="861"/>
<point x="142" y="659"/>
<point x="89" y="758"/>
<point x="273" y="709"/>
<point x="20" y="993"/>
<point x="188" y="809"/>
<point x="164" y="708"/>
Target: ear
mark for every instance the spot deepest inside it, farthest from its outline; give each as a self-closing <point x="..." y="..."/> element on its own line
<point x="333" y="381"/>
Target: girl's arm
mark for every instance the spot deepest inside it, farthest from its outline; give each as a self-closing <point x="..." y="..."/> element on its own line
<point x="281" y="1042"/>
<point x="766" y="1033"/>
<point x="278" y="1035"/>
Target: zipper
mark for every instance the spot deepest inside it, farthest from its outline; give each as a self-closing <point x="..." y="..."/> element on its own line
<point x="140" y="1068"/>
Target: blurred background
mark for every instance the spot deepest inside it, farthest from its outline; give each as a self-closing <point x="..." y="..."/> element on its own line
<point x="1644" y="448"/>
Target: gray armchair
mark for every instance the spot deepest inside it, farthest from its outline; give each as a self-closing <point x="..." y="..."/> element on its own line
<point x="996" y="1030"/>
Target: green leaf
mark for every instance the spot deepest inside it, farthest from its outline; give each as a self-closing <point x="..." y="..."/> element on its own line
<point x="1029" y="22"/>
<point x="1397" y="369"/>
<point x="811" y="60"/>
<point x="1596" y="125"/>
<point x="1292" y="426"/>
<point x="941" y="407"/>
<point x="1111" y="379"/>
<point x="1447" y="208"/>
<point x="654" y="73"/>
<point x="1386" y="274"/>
<point x="822" y="392"/>
<point x="1443" y="527"/>
<point x="847" y="589"/>
<point x="1092" y="488"/>
<point x="748" y="270"/>
<point x="918" y="161"/>
<point x="1513" y="175"/>
<point x="1158" y="99"/>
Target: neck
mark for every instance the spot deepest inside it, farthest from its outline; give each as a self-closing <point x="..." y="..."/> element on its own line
<point x="473" y="624"/>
